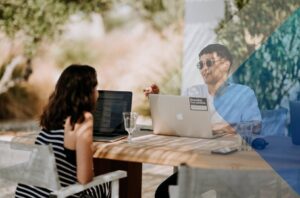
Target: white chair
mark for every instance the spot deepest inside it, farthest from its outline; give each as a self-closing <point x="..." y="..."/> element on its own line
<point x="216" y="183"/>
<point x="35" y="165"/>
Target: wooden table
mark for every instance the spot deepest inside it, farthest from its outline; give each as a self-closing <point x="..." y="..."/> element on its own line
<point x="172" y="151"/>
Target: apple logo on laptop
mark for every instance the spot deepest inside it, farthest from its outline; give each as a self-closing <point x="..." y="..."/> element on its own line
<point x="179" y="116"/>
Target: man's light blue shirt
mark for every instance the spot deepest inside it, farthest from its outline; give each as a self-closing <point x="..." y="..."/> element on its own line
<point x="234" y="103"/>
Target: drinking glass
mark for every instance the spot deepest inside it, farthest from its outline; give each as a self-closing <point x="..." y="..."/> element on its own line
<point x="245" y="129"/>
<point x="130" y="123"/>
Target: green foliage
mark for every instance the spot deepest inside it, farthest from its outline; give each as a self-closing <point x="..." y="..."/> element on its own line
<point x="162" y="13"/>
<point x="272" y="68"/>
<point x="241" y="3"/>
<point x="44" y="19"/>
<point x="78" y="52"/>
<point x="35" y="22"/>
<point x="159" y="13"/>
<point x="40" y="19"/>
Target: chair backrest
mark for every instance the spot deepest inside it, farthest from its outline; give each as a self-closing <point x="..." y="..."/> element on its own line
<point x="295" y="124"/>
<point x="274" y="122"/>
<point x="202" y="183"/>
<point x="28" y="164"/>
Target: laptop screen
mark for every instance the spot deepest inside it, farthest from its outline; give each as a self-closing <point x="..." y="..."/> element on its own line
<point x="108" y="118"/>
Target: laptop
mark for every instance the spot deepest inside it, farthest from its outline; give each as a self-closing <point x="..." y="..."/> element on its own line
<point x="108" y="117"/>
<point x="181" y="116"/>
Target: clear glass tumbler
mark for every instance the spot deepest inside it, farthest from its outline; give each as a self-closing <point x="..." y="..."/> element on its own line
<point x="245" y="130"/>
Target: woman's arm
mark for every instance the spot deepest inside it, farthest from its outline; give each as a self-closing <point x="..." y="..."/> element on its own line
<point x="84" y="153"/>
<point x="69" y="135"/>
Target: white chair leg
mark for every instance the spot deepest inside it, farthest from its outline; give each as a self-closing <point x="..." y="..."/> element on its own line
<point x="115" y="189"/>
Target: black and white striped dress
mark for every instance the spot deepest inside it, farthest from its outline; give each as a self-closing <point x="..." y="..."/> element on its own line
<point x="66" y="166"/>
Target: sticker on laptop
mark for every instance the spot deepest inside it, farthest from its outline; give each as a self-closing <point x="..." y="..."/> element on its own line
<point x="198" y="104"/>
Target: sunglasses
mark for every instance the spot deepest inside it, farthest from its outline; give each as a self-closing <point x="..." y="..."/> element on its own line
<point x="208" y="63"/>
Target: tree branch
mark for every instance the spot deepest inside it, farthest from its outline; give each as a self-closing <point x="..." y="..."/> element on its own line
<point x="6" y="81"/>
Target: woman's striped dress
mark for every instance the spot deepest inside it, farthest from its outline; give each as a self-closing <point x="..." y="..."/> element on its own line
<point x="66" y="166"/>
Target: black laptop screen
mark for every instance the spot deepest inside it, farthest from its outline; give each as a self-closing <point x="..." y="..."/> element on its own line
<point x="108" y="118"/>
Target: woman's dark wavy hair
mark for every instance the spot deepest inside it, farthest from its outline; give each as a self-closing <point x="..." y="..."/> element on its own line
<point x="73" y="95"/>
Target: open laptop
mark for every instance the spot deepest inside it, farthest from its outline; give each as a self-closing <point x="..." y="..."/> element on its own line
<point x="108" y="118"/>
<point x="181" y="116"/>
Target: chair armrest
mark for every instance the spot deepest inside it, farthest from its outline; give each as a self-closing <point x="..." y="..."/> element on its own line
<point x="27" y="138"/>
<point x="75" y="188"/>
<point x="173" y="191"/>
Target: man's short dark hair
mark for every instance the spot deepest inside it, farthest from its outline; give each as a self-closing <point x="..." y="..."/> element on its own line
<point x="221" y="51"/>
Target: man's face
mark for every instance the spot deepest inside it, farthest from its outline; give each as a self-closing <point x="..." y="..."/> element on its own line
<point x="213" y="68"/>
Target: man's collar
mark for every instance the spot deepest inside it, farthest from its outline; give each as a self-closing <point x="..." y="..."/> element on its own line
<point x="221" y="91"/>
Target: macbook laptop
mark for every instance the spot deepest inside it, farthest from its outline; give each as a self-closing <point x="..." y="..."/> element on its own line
<point x="108" y="118"/>
<point x="181" y="116"/>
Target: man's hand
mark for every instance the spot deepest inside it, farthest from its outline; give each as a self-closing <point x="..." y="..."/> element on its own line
<point x="223" y="128"/>
<point x="153" y="89"/>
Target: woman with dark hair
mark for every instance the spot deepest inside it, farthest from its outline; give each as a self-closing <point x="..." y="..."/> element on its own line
<point x="67" y="124"/>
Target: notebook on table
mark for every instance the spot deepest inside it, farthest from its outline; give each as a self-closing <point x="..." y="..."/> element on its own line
<point x="108" y="118"/>
<point x="181" y="116"/>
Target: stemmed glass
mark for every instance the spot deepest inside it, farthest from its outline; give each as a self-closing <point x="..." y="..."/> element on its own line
<point x="130" y="123"/>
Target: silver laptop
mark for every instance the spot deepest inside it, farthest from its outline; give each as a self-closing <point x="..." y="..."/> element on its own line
<point x="181" y="116"/>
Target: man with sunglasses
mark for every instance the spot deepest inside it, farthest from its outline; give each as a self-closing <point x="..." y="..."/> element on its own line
<point x="230" y="103"/>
